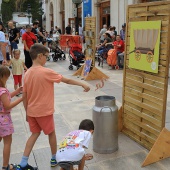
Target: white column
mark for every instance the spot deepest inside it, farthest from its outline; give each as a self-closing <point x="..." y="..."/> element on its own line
<point x="68" y="10"/>
<point x="114" y="13"/>
<point x="48" y="24"/>
<point x="58" y="15"/>
<point x="55" y="13"/>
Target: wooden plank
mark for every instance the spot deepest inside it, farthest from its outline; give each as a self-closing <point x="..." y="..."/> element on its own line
<point x="143" y="116"/>
<point x="135" y="138"/>
<point x="144" y="97"/>
<point x="132" y="127"/>
<point x="130" y="117"/>
<point x="145" y="80"/>
<point x="145" y="86"/>
<point x="143" y="105"/>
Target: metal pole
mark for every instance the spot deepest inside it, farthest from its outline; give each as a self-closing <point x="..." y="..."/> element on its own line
<point x="77" y="21"/>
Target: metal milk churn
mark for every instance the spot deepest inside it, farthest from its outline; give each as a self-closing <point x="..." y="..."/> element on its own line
<point x="105" y="118"/>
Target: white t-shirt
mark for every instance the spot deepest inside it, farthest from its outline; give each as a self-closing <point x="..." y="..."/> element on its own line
<point x="72" y="146"/>
<point x="2" y="39"/>
<point x="80" y="31"/>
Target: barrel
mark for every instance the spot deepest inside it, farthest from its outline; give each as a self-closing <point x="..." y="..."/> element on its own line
<point x="105" y="118"/>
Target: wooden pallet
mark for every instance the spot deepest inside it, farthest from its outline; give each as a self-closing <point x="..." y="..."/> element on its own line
<point x="144" y="93"/>
<point x="94" y="74"/>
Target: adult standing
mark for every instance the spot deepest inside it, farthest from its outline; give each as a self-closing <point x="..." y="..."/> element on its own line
<point x="81" y="32"/>
<point x="122" y="32"/>
<point x="36" y="31"/>
<point x="68" y="29"/>
<point x="22" y="31"/>
<point x="102" y="31"/>
<point x="2" y="44"/>
<point x="13" y="36"/>
<point x="58" y="29"/>
<point x="29" y="39"/>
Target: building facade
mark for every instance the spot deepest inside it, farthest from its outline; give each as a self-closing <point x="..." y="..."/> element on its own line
<point x="111" y="12"/>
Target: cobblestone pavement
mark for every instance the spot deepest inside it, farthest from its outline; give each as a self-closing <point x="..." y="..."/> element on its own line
<point x="71" y="106"/>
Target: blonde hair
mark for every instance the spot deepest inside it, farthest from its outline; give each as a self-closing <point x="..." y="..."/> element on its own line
<point x="4" y="72"/>
<point x="15" y="51"/>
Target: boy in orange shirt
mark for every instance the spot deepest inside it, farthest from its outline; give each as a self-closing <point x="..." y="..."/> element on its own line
<point x="38" y="99"/>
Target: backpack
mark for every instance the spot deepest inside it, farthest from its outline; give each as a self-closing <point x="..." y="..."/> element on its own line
<point x="34" y="31"/>
<point x="112" y="57"/>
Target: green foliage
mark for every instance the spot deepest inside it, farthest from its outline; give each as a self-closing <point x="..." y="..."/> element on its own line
<point x="7" y="8"/>
<point x="36" y="10"/>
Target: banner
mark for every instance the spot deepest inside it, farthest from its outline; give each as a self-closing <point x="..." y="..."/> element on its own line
<point x="87" y="9"/>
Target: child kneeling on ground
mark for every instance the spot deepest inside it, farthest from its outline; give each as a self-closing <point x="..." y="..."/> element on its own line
<point x="71" y="151"/>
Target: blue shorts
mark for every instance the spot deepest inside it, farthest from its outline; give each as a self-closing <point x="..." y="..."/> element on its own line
<point x="14" y="45"/>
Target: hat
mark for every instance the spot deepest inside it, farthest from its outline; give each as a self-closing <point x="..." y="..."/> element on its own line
<point x="124" y="25"/>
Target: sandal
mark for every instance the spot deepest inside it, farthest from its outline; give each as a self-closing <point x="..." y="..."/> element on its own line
<point x="9" y="167"/>
<point x="88" y="156"/>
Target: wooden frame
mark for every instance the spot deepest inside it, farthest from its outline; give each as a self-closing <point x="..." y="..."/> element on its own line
<point x="144" y="93"/>
<point x="90" y="38"/>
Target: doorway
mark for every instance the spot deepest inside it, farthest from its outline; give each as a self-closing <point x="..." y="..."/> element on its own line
<point x="105" y="14"/>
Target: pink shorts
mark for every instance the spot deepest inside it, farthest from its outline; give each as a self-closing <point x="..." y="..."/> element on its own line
<point x="6" y="125"/>
<point x="38" y="124"/>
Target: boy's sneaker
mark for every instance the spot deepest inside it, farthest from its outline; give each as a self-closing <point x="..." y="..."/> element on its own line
<point x="28" y="167"/>
<point x="53" y="162"/>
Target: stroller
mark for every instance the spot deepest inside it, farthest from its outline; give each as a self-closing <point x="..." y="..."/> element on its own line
<point x="58" y="53"/>
<point x="102" y="54"/>
<point x="76" y="56"/>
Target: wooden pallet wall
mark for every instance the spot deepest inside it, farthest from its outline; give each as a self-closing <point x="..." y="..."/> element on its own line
<point x="144" y="93"/>
<point x="90" y="25"/>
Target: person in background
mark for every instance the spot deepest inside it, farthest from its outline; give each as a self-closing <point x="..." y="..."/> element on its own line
<point x="2" y="44"/>
<point x="58" y="29"/>
<point x="51" y="31"/>
<point x="115" y="32"/>
<point x="122" y="32"/>
<point x="8" y="48"/>
<point x="102" y="31"/>
<point x="36" y="31"/>
<point x="18" y="67"/>
<point x="29" y="39"/>
<point x="81" y="32"/>
<point x="13" y="36"/>
<point x="68" y="29"/>
<point x="22" y="31"/>
<point x="119" y="46"/>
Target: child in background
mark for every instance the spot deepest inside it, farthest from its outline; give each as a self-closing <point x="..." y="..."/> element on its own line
<point x="18" y="67"/>
<point x="38" y="99"/>
<point x="44" y="43"/>
<point x="6" y="125"/>
<point x="8" y="48"/>
<point x="71" y="149"/>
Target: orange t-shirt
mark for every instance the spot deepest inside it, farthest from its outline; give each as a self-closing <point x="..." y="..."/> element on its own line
<point x="39" y="86"/>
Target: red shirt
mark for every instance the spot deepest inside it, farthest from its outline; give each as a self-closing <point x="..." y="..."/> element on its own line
<point x="29" y="37"/>
<point x="121" y="48"/>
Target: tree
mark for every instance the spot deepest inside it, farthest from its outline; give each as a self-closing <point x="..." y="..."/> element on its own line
<point x="36" y="9"/>
<point x="7" y="8"/>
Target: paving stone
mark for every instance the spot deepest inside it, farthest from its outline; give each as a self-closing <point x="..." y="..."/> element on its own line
<point x="131" y="162"/>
